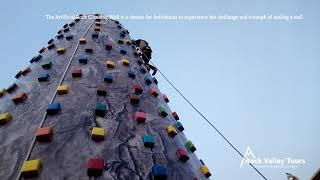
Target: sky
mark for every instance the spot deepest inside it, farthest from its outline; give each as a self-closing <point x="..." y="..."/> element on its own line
<point x="256" y="81"/>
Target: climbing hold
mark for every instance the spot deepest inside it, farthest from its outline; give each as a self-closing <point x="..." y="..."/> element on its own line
<point x="71" y="24"/>
<point x="148" y="141"/>
<point x="123" y="52"/>
<point x="119" y="26"/>
<point x="172" y="132"/>
<point x="89" y="50"/>
<point x="44" y="134"/>
<point x="69" y="37"/>
<point x="122" y="35"/>
<point x="97" y="134"/>
<point x="179" y="126"/>
<point x="120" y="41"/>
<point x="128" y="42"/>
<point x="110" y="64"/>
<point x="108" y="78"/>
<point x="51" y="46"/>
<point x="125" y="62"/>
<point x="204" y="169"/>
<point x="140" y="117"/>
<point x="77" y="72"/>
<point x="60" y="31"/>
<point x="140" y="63"/>
<point x="182" y="155"/>
<point x="97" y="29"/>
<point x="137" y="89"/>
<point x="44" y="77"/>
<point x="131" y="74"/>
<point x="46" y="65"/>
<point x="2" y="92"/>
<point x="83" y="60"/>
<point x="31" y="168"/>
<point x="61" y="50"/>
<point x="162" y="111"/>
<point x="50" y="41"/>
<point x="148" y="81"/>
<point x="175" y="116"/>
<point x="25" y="71"/>
<point x="95" y="167"/>
<point x="108" y="46"/>
<point x="97" y="24"/>
<point x="63" y="89"/>
<point x="77" y="19"/>
<point x="65" y="25"/>
<point x="82" y="41"/>
<point x="18" y="74"/>
<point x="101" y="91"/>
<point x="190" y="146"/>
<point x="134" y="98"/>
<point x="153" y="92"/>
<point x="154" y="80"/>
<point x="66" y="30"/>
<point x="165" y="98"/>
<point x="19" y="97"/>
<point x="42" y="50"/>
<point x="143" y="70"/>
<point x="159" y="172"/>
<point x="95" y="35"/>
<point x="12" y="87"/>
<point x="101" y="110"/>
<point x="37" y="58"/>
<point x="59" y="36"/>
<point x="5" y="117"/>
<point x="53" y="108"/>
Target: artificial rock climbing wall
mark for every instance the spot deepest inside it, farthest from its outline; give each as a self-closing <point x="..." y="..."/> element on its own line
<point x="86" y="106"/>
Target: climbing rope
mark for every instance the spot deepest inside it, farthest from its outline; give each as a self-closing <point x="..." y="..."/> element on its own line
<point x="203" y="116"/>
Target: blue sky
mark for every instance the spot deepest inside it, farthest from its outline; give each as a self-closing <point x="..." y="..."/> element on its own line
<point x="258" y="82"/>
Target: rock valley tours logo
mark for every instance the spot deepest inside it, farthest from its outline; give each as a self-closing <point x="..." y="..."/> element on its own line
<point x="270" y="162"/>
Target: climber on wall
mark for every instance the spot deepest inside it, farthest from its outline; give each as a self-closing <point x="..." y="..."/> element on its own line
<point x="145" y="53"/>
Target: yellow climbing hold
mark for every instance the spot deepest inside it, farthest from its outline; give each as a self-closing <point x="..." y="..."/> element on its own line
<point x="63" y="89"/>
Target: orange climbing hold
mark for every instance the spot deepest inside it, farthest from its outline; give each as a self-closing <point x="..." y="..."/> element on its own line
<point x="20" y="97"/>
<point x="44" y="134"/>
<point x="153" y="92"/>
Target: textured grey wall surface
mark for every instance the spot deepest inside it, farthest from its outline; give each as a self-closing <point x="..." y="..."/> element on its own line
<point x="65" y="157"/>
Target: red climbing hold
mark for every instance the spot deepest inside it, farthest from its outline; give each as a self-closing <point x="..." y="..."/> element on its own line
<point x="140" y="117"/>
<point x="175" y="116"/>
<point x="95" y="167"/>
<point x="77" y="72"/>
<point x="182" y="155"/>
<point x="25" y="71"/>
<point x="137" y="89"/>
